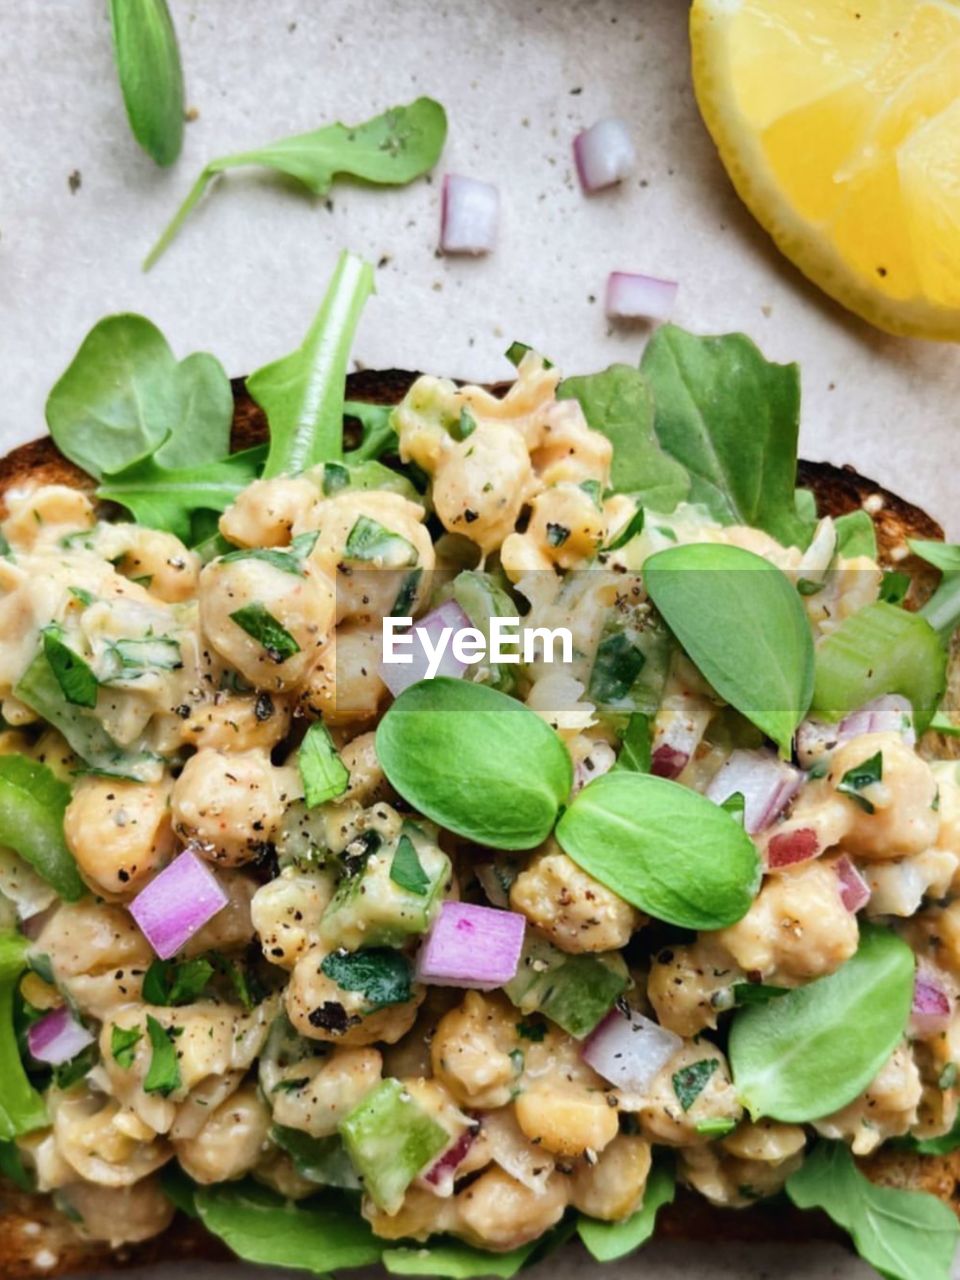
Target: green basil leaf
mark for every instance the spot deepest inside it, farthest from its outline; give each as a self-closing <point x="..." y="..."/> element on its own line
<point x="148" y="63"/>
<point x="33" y="801"/>
<point x="321" y="1160"/>
<point x="259" y="1226"/>
<point x="731" y="418"/>
<point x="512" y="773"/>
<point x="171" y="982"/>
<point x="406" y="869"/>
<point x="73" y="674"/>
<point x="796" y="1058"/>
<point x="618" y="403"/>
<point x="165" y="498"/>
<point x="125" y="396"/>
<point x="163" y="1077"/>
<point x="392" y="149"/>
<point x="636" y="747"/>
<point x="369" y="542"/>
<point x="129" y="659"/>
<point x="856" y="535"/>
<point x="123" y="1045"/>
<point x="906" y="1235"/>
<point x="456" y="1261"/>
<point x="861" y="776"/>
<point x="944" y="556"/>
<point x="689" y="1082"/>
<point x="743" y="625"/>
<point x="21" y="1108"/>
<point x="880" y="649"/>
<point x="260" y="624"/>
<point x="606" y="1241"/>
<point x="302" y="393"/>
<point x="631" y="529"/>
<point x="381" y="974"/>
<point x="323" y="773"/>
<point x="666" y="849"/>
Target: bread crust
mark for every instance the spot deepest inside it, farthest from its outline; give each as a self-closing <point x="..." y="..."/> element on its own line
<point x="31" y="1228"/>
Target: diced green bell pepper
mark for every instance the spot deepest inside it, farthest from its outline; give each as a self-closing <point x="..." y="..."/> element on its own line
<point x="390" y="1139"/>
<point x="575" y="992"/>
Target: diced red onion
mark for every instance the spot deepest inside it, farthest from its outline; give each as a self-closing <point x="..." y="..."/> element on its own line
<point x="399" y="676"/>
<point x="854" y="890"/>
<point x="766" y="783"/>
<point x="635" y="297"/>
<point x="471" y="946"/>
<point x="604" y="154"/>
<point x="57" y="1037"/>
<point x="890" y="713"/>
<point x="442" y="1173"/>
<point x="932" y="1005"/>
<point x="629" y="1050"/>
<point x="788" y="847"/>
<point x="678" y="731"/>
<point x="470" y="211"/>
<point x="177" y="903"/>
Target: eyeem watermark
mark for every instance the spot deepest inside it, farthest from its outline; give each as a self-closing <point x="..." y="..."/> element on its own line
<point x="510" y="642"/>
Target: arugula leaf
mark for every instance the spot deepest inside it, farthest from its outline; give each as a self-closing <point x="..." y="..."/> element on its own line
<point x="370" y="542"/>
<point x="123" y="1045"/>
<point x="302" y="393"/>
<point x="125" y="396"/>
<point x="731" y="418"/>
<point x="73" y="674"/>
<point x="636" y="749"/>
<point x="169" y="982"/>
<point x="163" y="1076"/>
<point x="12" y="1167"/>
<point x="618" y="403"/>
<point x="377" y="434"/>
<point x="380" y="973"/>
<point x="323" y="773"/>
<point x="168" y="498"/>
<point x="406" y="869"/>
<point x="861" y="776"/>
<point x="906" y="1235"/>
<point x="689" y="1082"/>
<point x="21" y="1107"/>
<point x="260" y="624"/>
<point x="392" y="149"/>
<point x="316" y="1236"/>
<point x="33" y="801"/>
<point x="151" y="79"/>
<point x="321" y="1160"/>
<point x="856" y="535"/>
<point x="606" y="1241"/>
<point x="455" y="1260"/>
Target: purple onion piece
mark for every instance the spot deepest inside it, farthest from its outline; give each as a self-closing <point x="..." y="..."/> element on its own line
<point x="177" y="903"/>
<point x="471" y="946"/>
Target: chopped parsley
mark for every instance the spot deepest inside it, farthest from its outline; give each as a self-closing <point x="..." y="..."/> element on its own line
<point x="690" y="1082"/>
<point x="406" y="869"/>
<point x="861" y="776"/>
<point x="164" y="1074"/>
<point x="323" y="773"/>
<point x="123" y="1045"/>
<point x="257" y="621"/>
<point x="382" y="975"/>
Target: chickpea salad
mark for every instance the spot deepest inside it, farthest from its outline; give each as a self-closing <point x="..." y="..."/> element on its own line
<point x="355" y="965"/>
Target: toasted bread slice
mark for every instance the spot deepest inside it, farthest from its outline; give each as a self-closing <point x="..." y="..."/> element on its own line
<point x="36" y="1239"/>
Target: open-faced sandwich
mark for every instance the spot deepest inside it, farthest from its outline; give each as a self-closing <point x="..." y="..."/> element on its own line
<point x="642" y="921"/>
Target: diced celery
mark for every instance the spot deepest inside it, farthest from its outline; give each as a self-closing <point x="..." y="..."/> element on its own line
<point x="390" y="1138"/>
<point x="370" y="909"/>
<point x="880" y="649"/>
<point x="575" y="992"/>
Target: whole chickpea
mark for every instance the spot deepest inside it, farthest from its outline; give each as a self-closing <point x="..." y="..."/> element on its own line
<point x="119" y="832"/>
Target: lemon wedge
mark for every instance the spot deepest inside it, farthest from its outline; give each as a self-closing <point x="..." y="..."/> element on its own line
<point x="839" y="124"/>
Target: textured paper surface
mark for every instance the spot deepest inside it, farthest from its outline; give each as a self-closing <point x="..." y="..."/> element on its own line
<point x="519" y="78"/>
